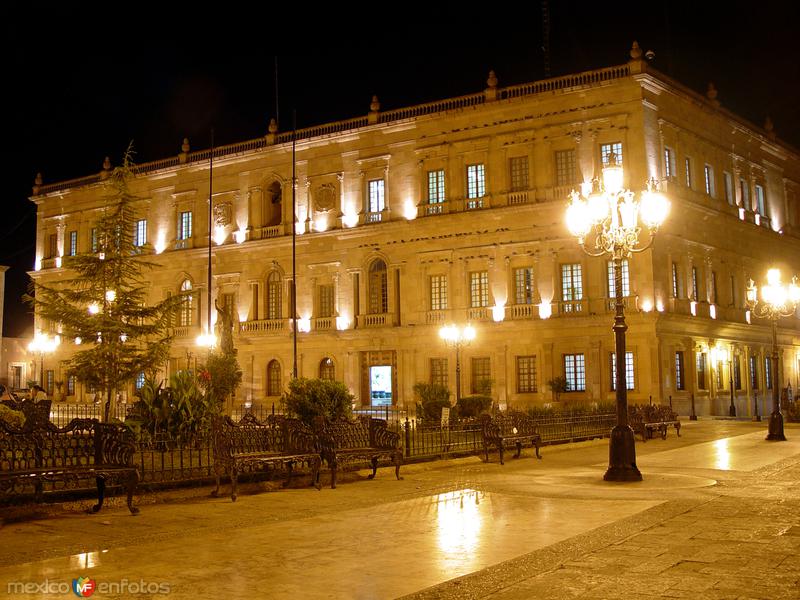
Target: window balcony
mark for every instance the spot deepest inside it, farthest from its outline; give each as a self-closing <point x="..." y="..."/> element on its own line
<point x="373" y="217"/>
<point x="520" y="197"/>
<point x="376" y="320"/>
<point x="479" y="313"/>
<point x="50" y="263"/>
<point x="184" y="244"/>
<point x="264" y="327"/>
<point x="611" y="303"/>
<point x="571" y="307"/>
<point x="436" y="317"/>
<point x="435" y="208"/>
<point x="325" y="323"/>
<point x="272" y="231"/>
<point x="475" y="203"/>
<point x="183" y="332"/>
<point x="522" y="311"/>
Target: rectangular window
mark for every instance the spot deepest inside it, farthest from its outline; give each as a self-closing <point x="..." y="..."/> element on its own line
<point x="670" y="168"/>
<point x="519" y="173"/>
<point x="476" y="185"/>
<point x="438" y="292"/>
<point x="71" y="385"/>
<point x="708" y="172"/>
<point x="479" y="289"/>
<point x="327" y="306"/>
<point x="675" y="280"/>
<point x="745" y="189"/>
<point x="701" y="370"/>
<point x="626" y="287"/>
<point x="575" y="372"/>
<point x="680" y="378"/>
<point x="737" y="373"/>
<point x="526" y="375"/>
<point x="606" y="150"/>
<point x="436" y="186"/>
<point x="481" y="375"/>
<point x="185" y="225"/>
<point x="93" y="240"/>
<point x="753" y="372"/>
<point x="629" y="374"/>
<point x="768" y="372"/>
<point x="566" y="173"/>
<point x="50" y="381"/>
<point x="140" y="233"/>
<point x="571" y="282"/>
<point x="694" y="284"/>
<point x="729" y="188"/>
<point x="523" y="285"/>
<point x="759" y="203"/>
<point x="439" y="371"/>
<point x="254" y="302"/>
<point x="139" y="381"/>
<point x="52" y="245"/>
<point x="713" y="298"/>
<point x="688" y="172"/>
<point x="377" y="200"/>
<point x="73" y="243"/>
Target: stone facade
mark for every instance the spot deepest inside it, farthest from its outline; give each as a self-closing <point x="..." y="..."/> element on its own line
<point x="454" y="212"/>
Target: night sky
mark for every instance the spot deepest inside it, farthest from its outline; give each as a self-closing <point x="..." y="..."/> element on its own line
<point x="78" y="96"/>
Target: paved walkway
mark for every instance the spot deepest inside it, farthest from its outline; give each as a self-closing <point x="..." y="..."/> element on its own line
<point x="717" y="516"/>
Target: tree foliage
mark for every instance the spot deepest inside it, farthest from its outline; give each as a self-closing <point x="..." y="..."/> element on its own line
<point x="102" y="300"/>
<point x="307" y="399"/>
<point x="221" y="375"/>
<point x="432" y="399"/>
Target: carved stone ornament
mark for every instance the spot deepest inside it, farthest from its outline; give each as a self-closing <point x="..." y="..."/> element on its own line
<point x="223" y="214"/>
<point x="325" y="197"/>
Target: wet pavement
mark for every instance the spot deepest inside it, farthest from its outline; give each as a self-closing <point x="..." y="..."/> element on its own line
<point x="717" y="516"/>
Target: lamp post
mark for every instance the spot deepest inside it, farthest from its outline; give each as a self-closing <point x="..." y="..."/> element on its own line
<point x="43" y="344"/>
<point x="613" y="216"/>
<point x="777" y="300"/>
<point x="457" y="337"/>
<point x="208" y="339"/>
<point x="723" y="355"/>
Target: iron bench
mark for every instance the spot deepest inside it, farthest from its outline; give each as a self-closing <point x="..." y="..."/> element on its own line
<point x="648" y="419"/>
<point x="39" y="452"/>
<point x="365" y="439"/>
<point x="251" y="445"/>
<point x="512" y="429"/>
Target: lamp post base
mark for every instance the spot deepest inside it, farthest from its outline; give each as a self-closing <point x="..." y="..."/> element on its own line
<point x="622" y="456"/>
<point x="776" y="428"/>
<point x="732" y="411"/>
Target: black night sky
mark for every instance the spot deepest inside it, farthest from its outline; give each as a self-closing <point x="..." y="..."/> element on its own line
<point x="78" y="96"/>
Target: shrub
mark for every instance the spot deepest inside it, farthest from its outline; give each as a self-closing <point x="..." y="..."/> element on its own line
<point x="12" y="417"/>
<point x="433" y="398"/>
<point x="472" y="406"/>
<point x="222" y="376"/>
<point x="307" y="399"/>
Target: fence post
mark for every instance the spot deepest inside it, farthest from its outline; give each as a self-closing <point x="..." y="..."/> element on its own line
<point x="408" y="437"/>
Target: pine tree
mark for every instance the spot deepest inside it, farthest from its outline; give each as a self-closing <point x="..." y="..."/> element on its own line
<point x="103" y="307"/>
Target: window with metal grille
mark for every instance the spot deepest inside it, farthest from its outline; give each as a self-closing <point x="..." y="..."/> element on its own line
<point x="575" y="372"/>
<point x="571" y="282"/>
<point x="274" y="295"/>
<point x="713" y="287"/>
<point x="688" y="172"/>
<point x="566" y="173"/>
<point x="701" y="370"/>
<point x="670" y="167"/>
<point x="185" y="225"/>
<point x="728" y="188"/>
<point x="187" y="304"/>
<point x="273" y="378"/>
<point x="479" y="289"/>
<point x="674" y="280"/>
<point x="523" y="285"/>
<point x="50" y="381"/>
<point x="140" y="233"/>
<point x="760" y="206"/>
<point x="481" y="375"/>
<point x="377" y="200"/>
<point x="519" y="173"/>
<point x="745" y="189"/>
<point x="436" y="187"/>
<point x="737" y="373"/>
<point x="439" y="371"/>
<point x="378" y="288"/>
<point x="753" y="372"/>
<point x="606" y="150"/>
<point x="327" y="370"/>
<point x="626" y="285"/>
<point x="72" y="250"/>
<point x="476" y="185"/>
<point x="768" y="372"/>
<point x="438" y="292"/>
<point x="630" y="382"/>
<point x="694" y="283"/>
<point x="711" y="188"/>
<point x="139" y="381"/>
<point x="680" y="379"/>
<point x="526" y="375"/>
<point x="327" y="306"/>
<point x="71" y="385"/>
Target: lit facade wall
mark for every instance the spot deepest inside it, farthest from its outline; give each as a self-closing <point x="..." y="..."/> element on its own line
<point x="454" y="212"/>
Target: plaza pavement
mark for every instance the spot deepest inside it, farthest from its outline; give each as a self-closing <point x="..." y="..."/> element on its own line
<point x="717" y="516"/>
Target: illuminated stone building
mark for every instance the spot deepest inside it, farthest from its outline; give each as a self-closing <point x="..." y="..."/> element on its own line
<point x="453" y="212"/>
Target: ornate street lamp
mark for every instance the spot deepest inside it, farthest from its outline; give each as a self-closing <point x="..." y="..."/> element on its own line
<point x="777" y="300"/>
<point x="457" y="337"/>
<point x="614" y="217"/>
<point x="43" y="344"/>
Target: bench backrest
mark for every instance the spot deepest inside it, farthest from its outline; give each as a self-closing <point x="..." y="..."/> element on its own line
<point x="363" y="432"/>
<point x="277" y="434"/>
<point x="508" y="424"/>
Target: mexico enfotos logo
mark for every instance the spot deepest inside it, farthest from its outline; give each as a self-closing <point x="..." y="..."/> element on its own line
<point x="86" y="587"/>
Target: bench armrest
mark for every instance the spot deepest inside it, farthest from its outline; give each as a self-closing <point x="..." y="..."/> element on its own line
<point x="114" y="445"/>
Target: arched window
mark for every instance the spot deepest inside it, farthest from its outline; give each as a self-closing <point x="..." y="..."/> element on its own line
<point x="378" y="295"/>
<point x="274" y="378"/>
<point x="327" y="370"/>
<point x="274" y="289"/>
<point x="187" y="304"/>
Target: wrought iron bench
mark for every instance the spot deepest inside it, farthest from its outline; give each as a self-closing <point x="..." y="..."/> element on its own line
<point x="39" y="453"/>
<point x="648" y="419"/>
<point x="512" y="429"/>
<point x="365" y="439"/>
<point x="35" y="412"/>
<point x="251" y="445"/>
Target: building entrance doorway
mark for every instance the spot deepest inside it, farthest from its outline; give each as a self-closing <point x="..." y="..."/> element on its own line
<point x="379" y="378"/>
<point x="380" y="385"/>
